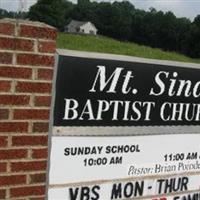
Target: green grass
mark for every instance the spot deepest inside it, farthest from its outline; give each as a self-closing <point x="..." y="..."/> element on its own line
<point x="108" y="45"/>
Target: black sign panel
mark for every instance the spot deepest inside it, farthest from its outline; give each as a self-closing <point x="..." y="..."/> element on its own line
<point x="105" y="92"/>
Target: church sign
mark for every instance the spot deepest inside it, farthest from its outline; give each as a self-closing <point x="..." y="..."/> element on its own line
<point x="124" y="128"/>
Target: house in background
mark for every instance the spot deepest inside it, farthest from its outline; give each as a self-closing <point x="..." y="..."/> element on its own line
<point x="81" y="27"/>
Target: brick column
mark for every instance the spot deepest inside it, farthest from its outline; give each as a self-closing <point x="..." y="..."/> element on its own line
<point x="26" y="68"/>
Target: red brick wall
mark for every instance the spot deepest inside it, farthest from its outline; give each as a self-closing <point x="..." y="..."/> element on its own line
<point x="26" y="68"/>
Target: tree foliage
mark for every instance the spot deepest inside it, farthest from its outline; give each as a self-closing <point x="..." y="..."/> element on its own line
<point x="11" y="14"/>
<point x="53" y="12"/>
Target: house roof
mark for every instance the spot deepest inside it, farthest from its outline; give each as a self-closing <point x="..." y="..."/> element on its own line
<point x="78" y="24"/>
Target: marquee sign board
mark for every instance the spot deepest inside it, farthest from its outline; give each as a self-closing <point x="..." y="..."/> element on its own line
<point x="123" y="128"/>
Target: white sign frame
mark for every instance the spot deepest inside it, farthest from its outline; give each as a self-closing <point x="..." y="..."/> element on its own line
<point x="113" y="131"/>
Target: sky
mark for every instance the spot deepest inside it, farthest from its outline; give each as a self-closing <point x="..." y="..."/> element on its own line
<point x="181" y="8"/>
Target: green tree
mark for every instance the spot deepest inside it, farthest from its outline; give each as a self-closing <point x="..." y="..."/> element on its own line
<point x="193" y="48"/>
<point x="123" y="19"/>
<point x="11" y="14"/>
<point x="83" y="11"/>
<point x="52" y="12"/>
